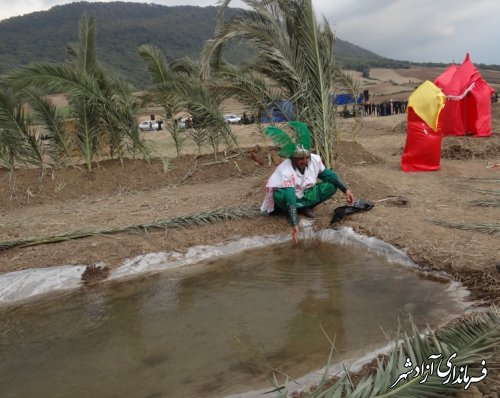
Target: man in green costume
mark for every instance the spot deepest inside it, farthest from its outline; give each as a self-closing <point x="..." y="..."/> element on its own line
<point x="293" y="187"/>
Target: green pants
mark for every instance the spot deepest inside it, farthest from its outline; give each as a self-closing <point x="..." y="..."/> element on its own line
<point x="312" y="196"/>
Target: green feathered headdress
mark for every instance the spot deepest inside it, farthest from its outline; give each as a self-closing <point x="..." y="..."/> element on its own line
<point x="287" y="146"/>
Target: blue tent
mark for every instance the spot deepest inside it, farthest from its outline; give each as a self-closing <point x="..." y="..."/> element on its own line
<point x="281" y="111"/>
<point x="345" y="99"/>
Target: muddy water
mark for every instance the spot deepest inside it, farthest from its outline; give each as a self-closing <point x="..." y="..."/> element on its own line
<point x="214" y="328"/>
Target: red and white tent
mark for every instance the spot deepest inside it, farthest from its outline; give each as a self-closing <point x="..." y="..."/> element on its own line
<point x="467" y="110"/>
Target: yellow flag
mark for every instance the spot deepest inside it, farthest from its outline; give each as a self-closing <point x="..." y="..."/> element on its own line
<point x="427" y="101"/>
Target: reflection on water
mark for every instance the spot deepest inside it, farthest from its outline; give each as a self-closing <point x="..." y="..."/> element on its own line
<point x="214" y="328"/>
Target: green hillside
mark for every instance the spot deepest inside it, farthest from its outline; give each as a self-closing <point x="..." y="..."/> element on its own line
<point x="123" y="27"/>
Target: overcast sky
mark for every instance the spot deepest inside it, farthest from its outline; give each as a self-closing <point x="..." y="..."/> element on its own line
<point x="412" y="30"/>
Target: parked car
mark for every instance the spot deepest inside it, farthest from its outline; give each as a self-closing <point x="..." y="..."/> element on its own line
<point x="148" y="125"/>
<point x="232" y="119"/>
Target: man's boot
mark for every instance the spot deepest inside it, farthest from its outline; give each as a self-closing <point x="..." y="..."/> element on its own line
<point x="308" y="212"/>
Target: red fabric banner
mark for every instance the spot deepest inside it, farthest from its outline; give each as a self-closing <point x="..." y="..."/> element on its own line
<point x="422" y="150"/>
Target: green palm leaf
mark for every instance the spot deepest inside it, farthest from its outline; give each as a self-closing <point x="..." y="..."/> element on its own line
<point x="156" y="64"/>
<point x="181" y="87"/>
<point x="246" y="86"/>
<point x="185" y="221"/>
<point x="294" y="53"/>
<point x="468" y="342"/>
<point x="18" y="140"/>
<point x="86" y="55"/>
<point x="44" y="112"/>
<point x="103" y="107"/>
<point x="56" y="78"/>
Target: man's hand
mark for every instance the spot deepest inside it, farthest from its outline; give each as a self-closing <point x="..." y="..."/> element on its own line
<point x="349" y="197"/>
<point x="295" y="234"/>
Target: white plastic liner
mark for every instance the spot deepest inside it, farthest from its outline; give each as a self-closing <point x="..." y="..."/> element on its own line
<point x="27" y="284"/>
<point x="20" y="285"/>
<point x="312" y="379"/>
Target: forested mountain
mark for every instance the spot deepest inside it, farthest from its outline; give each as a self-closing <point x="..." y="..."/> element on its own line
<point x="123" y="27"/>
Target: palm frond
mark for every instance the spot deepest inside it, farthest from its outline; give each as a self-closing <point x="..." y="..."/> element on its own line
<point x="87" y="130"/>
<point x="480" y="179"/>
<point x="487" y="191"/>
<point x="19" y="140"/>
<point x="86" y="53"/>
<point x="180" y="87"/>
<point x="190" y="220"/>
<point x="58" y="78"/>
<point x="46" y="113"/>
<point x="466" y="343"/>
<point x="103" y="108"/>
<point x="483" y="227"/>
<point x="185" y="66"/>
<point x="485" y="203"/>
<point x="118" y="119"/>
<point x="294" y="52"/>
<point x="247" y="87"/>
<point x="204" y="106"/>
<point x="156" y="64"/>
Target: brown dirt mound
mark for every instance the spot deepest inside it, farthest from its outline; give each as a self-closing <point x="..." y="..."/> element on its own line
<point x="471" y="147"/>
<point x="112" y="177"/>
<point x="401" y="127"/>
<point x="352" y="153"/>
<point x="464" y="147"/>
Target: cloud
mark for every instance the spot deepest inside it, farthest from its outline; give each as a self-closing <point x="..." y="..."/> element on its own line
<point x="426" y="30"/>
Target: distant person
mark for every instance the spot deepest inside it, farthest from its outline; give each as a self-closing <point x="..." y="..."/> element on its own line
<point x="246" y="120"/>
<point x="345" y="112"/>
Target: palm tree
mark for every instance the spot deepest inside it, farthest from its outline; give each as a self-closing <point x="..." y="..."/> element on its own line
<point x="161" y="75"/>
<point x="295" y="52"/>
<point x="103" y="106"/>
<point x="19" y="142"/>
<point x="57" y="143"/>
<point x="247" y="86"/>
<point x="180" y="87"/>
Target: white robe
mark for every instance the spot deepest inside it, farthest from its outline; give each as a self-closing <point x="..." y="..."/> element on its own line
<point x="285" y="176"/>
